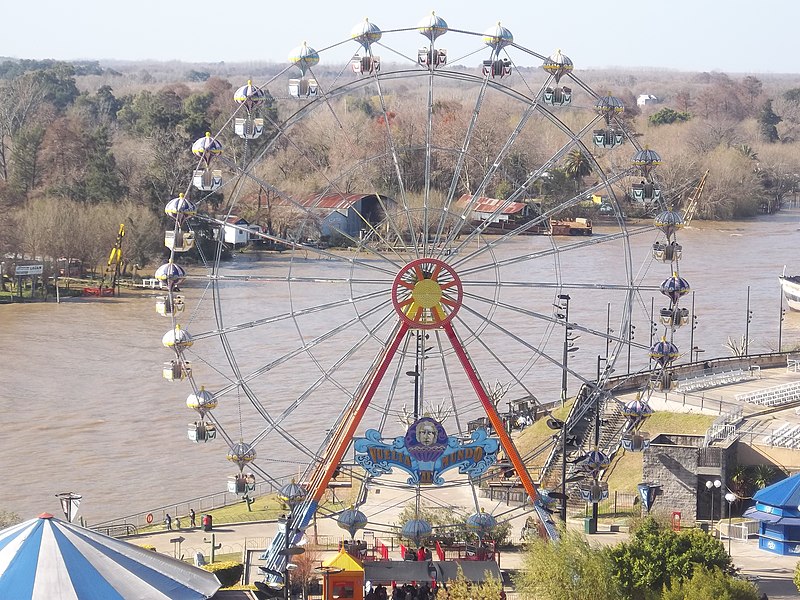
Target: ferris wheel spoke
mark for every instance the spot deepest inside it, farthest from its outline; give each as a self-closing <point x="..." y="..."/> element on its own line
<point x="297" y="313"/>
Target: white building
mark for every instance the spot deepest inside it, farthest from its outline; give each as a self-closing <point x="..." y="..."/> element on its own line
<point x="646" y="99"/>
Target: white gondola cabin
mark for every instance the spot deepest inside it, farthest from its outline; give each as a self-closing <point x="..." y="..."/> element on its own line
<point x="169" y="305"/>
<point x="207" y="180"/>
<point x="248" y="127"/>
<point x="432" y="58"/>
<point x="674" y="318"/>
<point x="366" y="65"/>
<point x="607" y="138"/>
<point x="667" y="252"/>
<point x="646" y="192"/>
<point x="176" y="370"/>
<point x="179" y="240"/>
<point x="636" y="441"/>
<point x="303" y="88"/>
<point x="497" y="69"/>
<point x="557" y="96"/>
<point x="201" y="431"/>
<point x="593" y="491"/>
<point x="243" y="483"/>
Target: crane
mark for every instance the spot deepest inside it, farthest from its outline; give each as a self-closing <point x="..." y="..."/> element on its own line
<point x="691" y="202"/>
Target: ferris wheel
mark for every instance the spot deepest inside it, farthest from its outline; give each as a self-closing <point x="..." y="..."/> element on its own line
<point x="421" y="260"/>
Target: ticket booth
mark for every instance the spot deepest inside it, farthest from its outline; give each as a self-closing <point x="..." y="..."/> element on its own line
<point x="347" y="584"/>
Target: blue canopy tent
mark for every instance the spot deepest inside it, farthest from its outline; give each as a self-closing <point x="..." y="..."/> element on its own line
<point x="777" y="509"/>
<point x="47" y="558"/>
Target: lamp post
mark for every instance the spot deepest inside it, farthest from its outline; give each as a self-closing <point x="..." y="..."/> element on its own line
<point x="747" y="324"/>
<point x="292" y="494"/>
<point x="711" y="486"/>
<point x="697" y="352"/>
<point x="694" y="326"/>
<point x="730" y="497"/>
<point x="780" y="321"/>
<point x="564" y="305"/>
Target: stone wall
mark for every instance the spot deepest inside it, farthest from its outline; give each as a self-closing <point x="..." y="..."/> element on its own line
<point x="674" y="469"/>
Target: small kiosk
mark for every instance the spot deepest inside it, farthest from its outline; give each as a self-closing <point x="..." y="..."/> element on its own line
<point x="777" y="509"/>
<point x="343" y="577"/>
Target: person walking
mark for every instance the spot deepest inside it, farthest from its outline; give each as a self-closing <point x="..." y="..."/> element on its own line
<point x="168" y="521"/>
<point x="192" y="518"/>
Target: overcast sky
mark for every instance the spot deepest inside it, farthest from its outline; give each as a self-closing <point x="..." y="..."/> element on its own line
<point x="735" y="36"/>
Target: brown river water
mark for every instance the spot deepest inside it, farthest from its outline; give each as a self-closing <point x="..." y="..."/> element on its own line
<point x="84" y="407"/>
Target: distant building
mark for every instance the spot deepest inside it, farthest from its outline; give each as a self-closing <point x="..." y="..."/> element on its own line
<point x="236" y="231"/>
<point x="646" y="100"/>
<point x="347" y="214"/>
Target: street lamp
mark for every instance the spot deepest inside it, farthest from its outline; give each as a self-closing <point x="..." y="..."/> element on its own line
<point x="293" y="495"/>
<point x="569" y="347"/>
<point x="730" y="497"/>
<point x="711" y="486"/>
<point x="696" y="351"/>
<point x="747" y="325"/>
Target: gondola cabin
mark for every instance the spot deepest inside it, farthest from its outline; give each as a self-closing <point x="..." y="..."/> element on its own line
<point x="248" y="128"/>
<point x="169" y="305"/>
<point x="607" y="138"/>
<point x="207" y="180"/>
<point x="202" y="431"/>
<point x="179" y="240"/>
<point x="303" y="88"/>
<point x="176" y="370"/>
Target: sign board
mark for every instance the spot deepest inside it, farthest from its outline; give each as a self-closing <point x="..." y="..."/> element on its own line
<point x="28" y="270"/>
<point x="177" y="540"/>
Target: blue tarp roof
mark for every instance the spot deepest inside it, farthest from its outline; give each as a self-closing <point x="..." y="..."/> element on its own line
<point x="784" y="494"/>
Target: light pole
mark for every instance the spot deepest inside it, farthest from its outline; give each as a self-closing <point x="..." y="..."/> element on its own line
<point x="730" y="497"/>
<point x="697" y="352"/>
<point x="694" y="326"/>
<point x="564" y="305"/>
<point x="747" y="324"/>
<point x="711" y="486"/>
<point x="780" y="321"/>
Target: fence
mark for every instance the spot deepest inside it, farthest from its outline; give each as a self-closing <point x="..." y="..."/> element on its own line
<point x="618" y="503"/>
<point x="199" y="504"/>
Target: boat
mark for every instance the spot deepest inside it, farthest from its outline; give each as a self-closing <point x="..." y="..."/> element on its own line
<point x="790" y="284"/>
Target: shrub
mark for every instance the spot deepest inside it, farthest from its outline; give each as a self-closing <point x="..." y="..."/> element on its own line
<point x="228" y="572"/>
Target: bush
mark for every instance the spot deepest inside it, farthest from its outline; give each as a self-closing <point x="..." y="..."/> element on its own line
<point x="228" y="572"/>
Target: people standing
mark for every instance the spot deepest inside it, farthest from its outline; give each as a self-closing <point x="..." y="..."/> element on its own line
<point x="192" y="518"/>
<point x="168" y="521"/>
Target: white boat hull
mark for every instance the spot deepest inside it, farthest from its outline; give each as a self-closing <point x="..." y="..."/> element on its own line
<point x="790" y="284"/>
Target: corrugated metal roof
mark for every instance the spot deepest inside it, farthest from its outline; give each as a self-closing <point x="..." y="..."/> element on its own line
<point x="489" y="205"/>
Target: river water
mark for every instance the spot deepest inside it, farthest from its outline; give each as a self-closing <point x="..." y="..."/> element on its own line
<point x="85" y="409"/>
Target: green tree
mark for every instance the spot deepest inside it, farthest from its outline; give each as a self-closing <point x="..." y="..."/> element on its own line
<point x="656" y="557"/>
<point x="767" y="121"/>
<point x="577" y="166"/>
<point x="705" y="584"/>
<point x="567" y="570"/>
<point x="195" y="110"/>
<point x="24" y="176"/>
<point x="102" y="178"/>
<point x="668" y="116"/>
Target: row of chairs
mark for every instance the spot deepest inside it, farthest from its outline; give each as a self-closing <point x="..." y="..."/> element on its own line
<point x="785" y="436"/>
<point x="774" y="396"/>
<point x="702" y="382"/>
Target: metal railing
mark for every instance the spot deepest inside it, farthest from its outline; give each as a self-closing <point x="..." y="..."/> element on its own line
<point x="200" y="504"/>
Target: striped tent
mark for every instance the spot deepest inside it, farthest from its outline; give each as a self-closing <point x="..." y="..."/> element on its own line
<point x="47" y="558"/>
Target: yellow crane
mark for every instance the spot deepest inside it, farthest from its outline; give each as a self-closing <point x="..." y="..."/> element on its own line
<point x="690" y="207"/>
<point x="112" y="270"/>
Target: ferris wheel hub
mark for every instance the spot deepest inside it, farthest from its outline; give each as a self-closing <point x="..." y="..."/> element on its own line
<point x="427" y="293"/>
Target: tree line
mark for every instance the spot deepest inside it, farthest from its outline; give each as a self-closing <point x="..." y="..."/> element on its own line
<point x="78" y="158"/>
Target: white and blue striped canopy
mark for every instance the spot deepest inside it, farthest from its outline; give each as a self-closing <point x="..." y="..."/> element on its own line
<point x="47" y="558"/>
